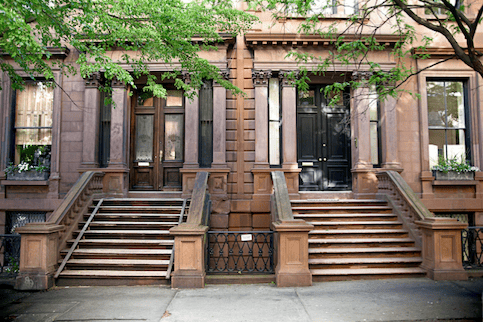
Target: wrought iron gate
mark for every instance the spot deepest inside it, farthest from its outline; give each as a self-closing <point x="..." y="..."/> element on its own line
<point x="240" y="252"/>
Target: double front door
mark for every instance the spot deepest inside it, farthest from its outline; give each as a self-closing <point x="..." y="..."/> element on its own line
<point x="323" y="141"/>
<point x="157" y="141"/>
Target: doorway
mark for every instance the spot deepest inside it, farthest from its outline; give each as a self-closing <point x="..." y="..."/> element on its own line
<point x="157" y="141"/>
<point x="323" y="141"/>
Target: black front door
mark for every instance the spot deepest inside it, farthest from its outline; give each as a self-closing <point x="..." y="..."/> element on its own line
<point x="323" y="142"/>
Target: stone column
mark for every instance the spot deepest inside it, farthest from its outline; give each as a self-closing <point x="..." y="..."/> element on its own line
<point x="364" y="181"/>
<point x="442" y="253"/>
<point x="289" y="122"/>
<point x="219" y="123"/>
<point x="116" y="180"/>
<point x="260" y="81"/>
<point x="38" y="256"/>
<point x="92" y="103"/>
<point x="192" y="119"/>
<point x="389" y="135"/>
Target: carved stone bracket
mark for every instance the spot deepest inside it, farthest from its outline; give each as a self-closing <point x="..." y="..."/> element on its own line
<point x="94" y="80"/>
<point x="286" y="80"/>
<point x="225" y="74"/>
<point x="261" y="77"/>
<point x="117" y="83"/>
<point x="361" y="75"/>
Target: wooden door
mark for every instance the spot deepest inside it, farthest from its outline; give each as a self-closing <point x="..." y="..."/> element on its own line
<point x="157" y="141"/>
<point x="323" y="142"/>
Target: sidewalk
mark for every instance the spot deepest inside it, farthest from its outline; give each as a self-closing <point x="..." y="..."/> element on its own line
<point x="380" y="300"/>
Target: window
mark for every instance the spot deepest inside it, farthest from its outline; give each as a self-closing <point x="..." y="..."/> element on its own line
<point x="375" y="129"/>
<point x="206" y="125"/>
<point x="448" y="120"/>
<point x="274" y="122"/>
<point x="104" y="132"/>
<point x="329" y="7"/>
<point x="15" y="219"/>
<point x="441" y="11"/>
<point x="31" y="140"/>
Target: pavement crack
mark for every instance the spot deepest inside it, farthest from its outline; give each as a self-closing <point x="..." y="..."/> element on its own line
<point x="303" y="305"/>
<point x="166" y="312"/>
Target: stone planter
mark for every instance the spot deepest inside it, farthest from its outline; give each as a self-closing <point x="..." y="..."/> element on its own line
<point x="30" y="175"/>
<point x="453" y="175"/>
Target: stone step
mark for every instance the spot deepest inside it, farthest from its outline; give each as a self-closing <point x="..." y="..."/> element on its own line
<point x="357" y="233"/>
<point x="356" y="224"/>
<point x="360" y="250"/>
<point x="126" y="234"/>
<point x="112" y="273"/>
<point x="341" y="210"/>
<point x="110" y="263"/>
<point x="125" y="242"/>
<point x="136" y="216"/>
<point x="131" y="224"/>
<point x="337" y="203"/>
<point x="360" y="272"/>
<point x="371" y="260"/>
<point x="347" y="216"/>
<point x="360" y="242"/>
<point x="118" y="252"/>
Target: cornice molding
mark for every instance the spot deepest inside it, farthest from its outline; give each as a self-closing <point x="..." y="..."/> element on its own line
<point x="55" y="52"/>
<point x="254" y="40"/>
<point x="439" y="52"/>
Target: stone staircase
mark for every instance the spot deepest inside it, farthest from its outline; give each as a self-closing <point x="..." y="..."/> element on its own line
<point x="357" y="239"/>
<point x="126" y="243"/>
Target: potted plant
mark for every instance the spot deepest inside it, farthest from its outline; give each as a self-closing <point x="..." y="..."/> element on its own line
<point x="35" y="164"/>
<point x="454" y="169"/>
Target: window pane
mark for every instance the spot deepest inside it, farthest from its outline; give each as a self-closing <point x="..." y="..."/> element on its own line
<point x="34" y="106"/>
<point x="145" y="98"/>
<point x="456" y="147"/>
<point x="374" y="143"/>
<point x="307" y="98"/>
<point x="350" y="7"/>
<point x="455" y="104"/>
<point x="173" y="129"/>
<point x="33" y="137"/>
<point x="144" y="137"/>
<point x="274" y="143"/>
<point x="175" y="98"/>
<point x="436" y="104"/>
<point x="436" y="144"/>
<point x="325" y="7"/>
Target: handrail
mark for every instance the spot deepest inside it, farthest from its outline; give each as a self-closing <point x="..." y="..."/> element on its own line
<point x="404" y="201"/>
<point x="79" y="237"/>
<point x="75" y="192"/>
<point x="281" y="207"/>
<point x="171" y="258"/>
<point x="200" y="201"/>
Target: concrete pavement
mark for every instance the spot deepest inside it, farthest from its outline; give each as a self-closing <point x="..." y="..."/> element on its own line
<point x="417" y="299"/>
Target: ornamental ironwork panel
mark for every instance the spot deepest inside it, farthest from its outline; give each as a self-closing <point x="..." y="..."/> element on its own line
<point x="17" y="219"/>
<point x="240" y="252"/>
<point x="472" y="244"/>
<point x="10" y="249"/>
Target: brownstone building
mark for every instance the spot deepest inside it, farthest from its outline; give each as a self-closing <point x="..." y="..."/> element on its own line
<point x="152" y="148"/>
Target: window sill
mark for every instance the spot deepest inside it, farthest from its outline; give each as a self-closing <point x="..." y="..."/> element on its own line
<point x="24" y="182"/>
<point x="455" y="182"/>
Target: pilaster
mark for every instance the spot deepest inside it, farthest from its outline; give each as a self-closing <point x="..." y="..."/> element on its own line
<point x="219" y="123"/>
<point x="260" y="81"/>
<point x="92" y="103"/>
<point x="289" y="117"/>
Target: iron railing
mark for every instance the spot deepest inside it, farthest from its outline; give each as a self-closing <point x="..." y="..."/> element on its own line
<point x="10" y="249"/>
<point x="240" y="252"/>
<point x="472" y="244"/>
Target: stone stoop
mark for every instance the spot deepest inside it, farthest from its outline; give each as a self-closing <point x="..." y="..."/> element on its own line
<point x="357" y="239"/>
<point x="127" y="243"/>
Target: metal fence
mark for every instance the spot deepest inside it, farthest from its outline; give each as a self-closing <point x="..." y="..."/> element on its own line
<point x="472" y="244"/>
<point x="9" y="254"/>
<point x="240" y="252"/>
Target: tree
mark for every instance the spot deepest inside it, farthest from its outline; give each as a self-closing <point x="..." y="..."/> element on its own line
<point x="144" y="30"/>
<point x="455" y="20"/>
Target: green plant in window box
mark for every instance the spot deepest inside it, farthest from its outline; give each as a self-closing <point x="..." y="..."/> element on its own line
<point x="454" y="169"/>
<point x="34" y="165"/>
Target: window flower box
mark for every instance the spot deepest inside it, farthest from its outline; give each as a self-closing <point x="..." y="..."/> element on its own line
<point x="30" y="175"/>
<point x="454" y="175"/>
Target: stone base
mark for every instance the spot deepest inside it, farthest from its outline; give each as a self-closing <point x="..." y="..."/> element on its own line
<point x="195" y="280"/>
<point x="447" y="275"/>
<point x="34" y="282"/>
<point x="294" y="279"/>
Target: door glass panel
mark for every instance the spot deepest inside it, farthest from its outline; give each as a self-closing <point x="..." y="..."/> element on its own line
<point x="145" y="98"/>
<point x="174" y="99"/>
<point x="307" y="98"/>
<point x="144" y="137"/>
<point x="173" y="141"/>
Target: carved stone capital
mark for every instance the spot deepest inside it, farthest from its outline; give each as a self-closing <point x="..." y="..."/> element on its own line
<point x="361" y="75"/>
<point x="285" y="79"/>
<point x="225" y="74"/>
<point x="94" y="80"/>
<point x="261" y="77"/>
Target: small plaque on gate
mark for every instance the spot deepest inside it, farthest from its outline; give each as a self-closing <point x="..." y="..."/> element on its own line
<point x="307" y="164"/>
<point x="143" y="164"/>
<point x="246" y="237"/>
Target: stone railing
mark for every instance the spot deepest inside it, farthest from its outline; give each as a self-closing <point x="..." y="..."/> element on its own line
<point x="189" y="239"/>
<point x="404" y="201"/>
<point x="292" y="244"/>
<point x="41" y="243"/>
<point x="76" y="203"/>
<point x="438" y="238"/>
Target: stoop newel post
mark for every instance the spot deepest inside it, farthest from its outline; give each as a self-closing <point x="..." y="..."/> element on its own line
<point x="292" y="260"/>
<point x="442" y="252"/>
<point x="189" y="259"/>
<point x="39" y="254"/>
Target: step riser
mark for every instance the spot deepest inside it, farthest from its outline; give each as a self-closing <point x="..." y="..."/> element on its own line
<point x="365" y="245"/>
<point x="119" y="267"/>
<point x="335" y="211"/>
<point x="132" y="281"/>
<point x="352" y="266"/>
<point x="365" y="255"/>
<point x="319" y="278"/>
<point x="344" y="219"/>
<point x="360" y="235"/>
<point x="355" y="226"/>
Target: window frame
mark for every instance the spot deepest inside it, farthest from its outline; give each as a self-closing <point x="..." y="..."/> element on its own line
<point x="280" y="122"/>
<point x="467" y="115"/>
<point x="205" y="143"/>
